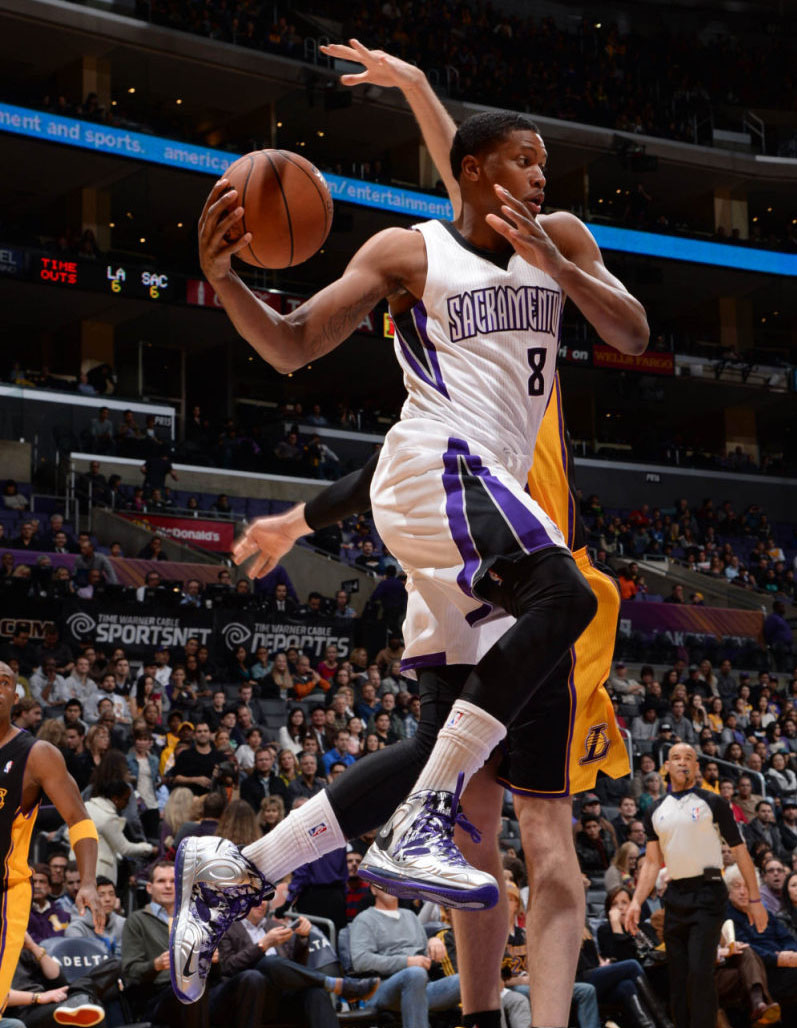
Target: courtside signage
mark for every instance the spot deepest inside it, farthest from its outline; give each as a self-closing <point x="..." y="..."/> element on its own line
<point x="106" y="139"/>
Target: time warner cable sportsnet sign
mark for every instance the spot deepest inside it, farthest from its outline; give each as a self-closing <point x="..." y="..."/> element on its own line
<point x="141" y="629"/>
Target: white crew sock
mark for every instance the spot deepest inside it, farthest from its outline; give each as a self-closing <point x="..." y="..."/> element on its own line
<point x="464" y="743"/>
<point x="307" y="833"/>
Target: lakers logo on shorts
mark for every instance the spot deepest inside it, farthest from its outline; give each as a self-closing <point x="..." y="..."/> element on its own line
<point x="3" y="794"/>
<point x="597" y="744"/>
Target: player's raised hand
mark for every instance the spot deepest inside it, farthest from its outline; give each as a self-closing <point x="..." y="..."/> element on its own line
<point x="269" y="539"/>
<point x="519" y="225"/>
<point x="381" y="69"/>
<point x="220" y="213"/>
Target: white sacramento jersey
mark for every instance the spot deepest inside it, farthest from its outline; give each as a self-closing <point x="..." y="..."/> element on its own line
<point x="479" y="349"/>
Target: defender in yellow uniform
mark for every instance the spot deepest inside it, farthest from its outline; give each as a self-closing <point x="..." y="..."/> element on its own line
<point x="567" y="742"/>
<point x="29" y="768"/>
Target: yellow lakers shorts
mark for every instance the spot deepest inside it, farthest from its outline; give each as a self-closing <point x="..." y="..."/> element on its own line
<point x="568" y="731"/>
<point x="14" y="914"/>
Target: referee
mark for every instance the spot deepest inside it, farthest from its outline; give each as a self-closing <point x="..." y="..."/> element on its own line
<point x="684" y="829"/>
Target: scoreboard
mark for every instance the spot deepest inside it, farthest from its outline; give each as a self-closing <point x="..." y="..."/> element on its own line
<point x="133" y="280"/>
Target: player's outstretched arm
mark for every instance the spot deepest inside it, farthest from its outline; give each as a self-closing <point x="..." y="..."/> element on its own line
<point x="272" y="537"/>
<point x="566" y="250"/>
<point x="46" y="765"/>
<point x="389" y="261"/>
<point x="436" y="124"/>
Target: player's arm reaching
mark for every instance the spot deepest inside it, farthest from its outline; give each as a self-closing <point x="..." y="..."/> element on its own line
<point x="48" y="771"/>
<point x="564" y="248"/>
<point x="389" y="262"/>
<point x="436" y="124"/>
<point x="273" y="536"/>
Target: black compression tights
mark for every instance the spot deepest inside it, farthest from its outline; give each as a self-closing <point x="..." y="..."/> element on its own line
<point x="553" y="605"/>
<point x="371" y="789"/>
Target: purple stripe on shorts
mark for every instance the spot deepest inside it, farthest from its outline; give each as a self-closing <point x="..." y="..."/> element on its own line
<point x="425" y="660"/>
<point x="455" y="511"/>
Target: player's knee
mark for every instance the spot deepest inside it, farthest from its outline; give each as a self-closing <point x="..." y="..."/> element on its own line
<point x="582" y="604"/>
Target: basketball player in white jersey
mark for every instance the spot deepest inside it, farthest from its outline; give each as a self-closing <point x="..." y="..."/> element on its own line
<point x="478" y="306"/>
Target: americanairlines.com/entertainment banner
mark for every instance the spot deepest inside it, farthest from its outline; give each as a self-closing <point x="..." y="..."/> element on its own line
<point x="105" y="139"/>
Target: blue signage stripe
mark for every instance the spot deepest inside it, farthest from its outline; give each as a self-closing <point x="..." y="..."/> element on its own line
<point x="172" y="153"/>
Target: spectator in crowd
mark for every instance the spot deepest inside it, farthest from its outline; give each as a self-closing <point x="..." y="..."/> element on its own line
<point x="369" y="560"/>
<point x="263" y="781"/>
<point x="211" y="807"/>
<point x="358" y="892"/>
<point x="145" y="958"/>
<point x="774" y="878"/>
<point x="13" y="499"/>
<point x="339" y="754"/>
<point x="110" y="931"/>
<point x="279" y="953"/>
<point x="776" y="946"/>
<point x="291" y="735"/>
<point x="391" y="942"/>
<point x="27" y="538"/>
<point x="47" y="919"/>
<point x="305" y="679"/>
<point x="196" y="766"/>
<point x="153" y="550"/>
<point x="87" y="560"/>
<point x="788" y="827"/>
<point x="645" y="726"/>
<point x="594" y="848"/>
<point x="342" y="608"/>
<point x="308" y="784"/>
<point x="762" y="828"/>
<point x="105" y="808"/>
<point x="626" y="815"/>
<point x="27" y="714"/>
<point x="391" y="653"/>
<point x="746" y="799"/>
<point x="778" y="636"/>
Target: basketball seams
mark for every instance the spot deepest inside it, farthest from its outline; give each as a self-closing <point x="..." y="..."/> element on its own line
<point x="285" y="204"/>
<point x="243" y="204"/>
<point x="323" y="198"/>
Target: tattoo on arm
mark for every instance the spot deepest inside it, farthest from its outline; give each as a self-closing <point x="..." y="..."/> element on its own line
<point x="343" y="322"/>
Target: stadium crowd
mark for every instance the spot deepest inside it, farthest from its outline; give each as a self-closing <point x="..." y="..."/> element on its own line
<point x="176" y="744"/>
<point x="649" y="79"/>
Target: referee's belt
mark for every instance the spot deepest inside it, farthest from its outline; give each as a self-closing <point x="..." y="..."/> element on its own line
<point x="710" y="876"/>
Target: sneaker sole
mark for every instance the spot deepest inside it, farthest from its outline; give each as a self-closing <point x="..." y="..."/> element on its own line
<point x="483" y="898"/>
<point x="179" y="865"/>
<point x="83" y="1016"/>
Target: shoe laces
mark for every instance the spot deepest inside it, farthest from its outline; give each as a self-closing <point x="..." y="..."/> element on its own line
<point x="433" y="830"/>
<point x="220" y="907"/>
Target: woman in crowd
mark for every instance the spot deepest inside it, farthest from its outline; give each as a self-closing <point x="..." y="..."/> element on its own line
<point x="715" y="715"/>
<point x="356" y="735"/>
<point x="147" y="691"/>
<point x="653" y="787"/>
<point x="261" y="667"/>
<point x="621" y="982"/>
<point x="697" y="713"/>
<point x="272" y="811"/>
<point x="277" y="685"/>
<point x="371" y="744"/>
<point x="669" y="682"/>
<point x="775" y="741"/>
<point x="239" y="672"/>
<point x="292" y="733"/>
<point x="179" y="693"/>
<point x="622" y="868"/>
<point x="788" y="912"/>
<point x="645" y="767"/>
<point x="781" y="780"/>
<point x="176" y="811"/>
<point x="768" y="711"/>
<point x="105" y="808"/>
<point x="594" y="848"/>
<point x="238" y="823"/>
<point x="98" y="742"/>
<point x="287" y="767"/>
<point x="734" y="754"/>
<point x="52" y="730"/>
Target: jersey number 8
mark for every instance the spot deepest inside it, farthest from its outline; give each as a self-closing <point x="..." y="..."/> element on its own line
<point x="536" y="357"/>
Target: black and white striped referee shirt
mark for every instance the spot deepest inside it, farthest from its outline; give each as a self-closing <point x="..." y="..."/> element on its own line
<point x="688" y="826"/>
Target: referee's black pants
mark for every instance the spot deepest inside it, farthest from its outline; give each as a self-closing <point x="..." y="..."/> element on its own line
<point x="694" y="911"/>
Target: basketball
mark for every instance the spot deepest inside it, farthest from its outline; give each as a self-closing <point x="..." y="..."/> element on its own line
<point x="287" y="208"/>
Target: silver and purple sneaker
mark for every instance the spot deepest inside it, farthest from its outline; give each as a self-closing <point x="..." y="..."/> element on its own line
<point x="215" y="885"/>
<point x="414" y="856"/>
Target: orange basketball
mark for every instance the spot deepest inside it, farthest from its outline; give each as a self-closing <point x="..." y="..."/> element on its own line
<point x="287" y="207"/>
